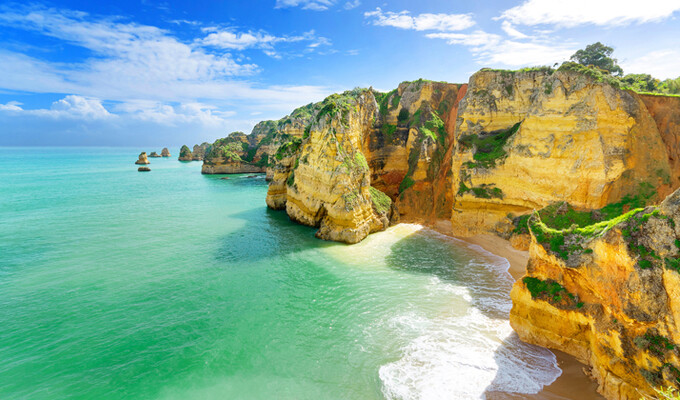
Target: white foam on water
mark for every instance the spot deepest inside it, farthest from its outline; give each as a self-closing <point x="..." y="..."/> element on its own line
<point x="472" y="349"/>
<point x="464" y="357"/>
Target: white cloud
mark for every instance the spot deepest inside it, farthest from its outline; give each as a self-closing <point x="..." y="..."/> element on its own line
<point x="661" y="64"/>
<point x="12" y="106"/>
<point x="131" y="61"/>
<point x="489" y="48"/>
<point x="71" y="106"/>
<point x="316" y="5"/>
<point x="352" y="4"/>
<point x="511" y="31"/>
<point x="166" y="114"/>
<point x="421" y="22"/>
<point x="598" y="12"/>
<point x="230" y="40"/>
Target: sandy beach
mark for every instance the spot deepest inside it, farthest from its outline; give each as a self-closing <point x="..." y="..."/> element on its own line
<point x="573" y="383"/>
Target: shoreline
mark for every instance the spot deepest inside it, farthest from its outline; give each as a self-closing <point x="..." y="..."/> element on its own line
<point x="573" y="383"/>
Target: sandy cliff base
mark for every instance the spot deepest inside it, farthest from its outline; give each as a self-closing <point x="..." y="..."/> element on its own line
<point x="573" y="383"/>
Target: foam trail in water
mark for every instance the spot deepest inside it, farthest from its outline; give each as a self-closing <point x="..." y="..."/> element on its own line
<point x="472" y="349"/>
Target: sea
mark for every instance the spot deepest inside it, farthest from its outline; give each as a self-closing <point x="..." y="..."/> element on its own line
<point x="169" y="284"/>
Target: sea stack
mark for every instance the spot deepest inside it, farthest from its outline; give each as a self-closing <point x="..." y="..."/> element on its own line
<point x="142" y="159"/>
<point x="154" y="154"/>
<point x="185" y="154"/>
<point x="143" y="169"/>
<point x="165" y="152"/>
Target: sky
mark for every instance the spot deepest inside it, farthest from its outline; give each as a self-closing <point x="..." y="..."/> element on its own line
<point x="160" y="73"/>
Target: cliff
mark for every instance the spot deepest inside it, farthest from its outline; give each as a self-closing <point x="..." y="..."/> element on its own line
<point x="409" y="149"/>
<point x="232" y="155"/>
<point x="529" y="139"/>
<point x="327" y="179"/>
<point x="608" y="294"/>
<point x="185" y="154"/>
<point x="362" y="145"/>
<point x="666" y="113"/>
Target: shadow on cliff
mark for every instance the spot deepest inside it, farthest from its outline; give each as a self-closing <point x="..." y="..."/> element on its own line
<point x="484" y="275"/>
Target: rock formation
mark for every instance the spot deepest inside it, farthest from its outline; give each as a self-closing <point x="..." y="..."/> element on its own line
<point x="528" y="139"/>
<point x="185" y="154"/>
<point x="232" y="155"/>
<point x="608" y="294"/>
<point x="143" y="169"/>
<point x="154" y="155"/>
<point x="142" y="159"/>
<point x="165" y="152"/>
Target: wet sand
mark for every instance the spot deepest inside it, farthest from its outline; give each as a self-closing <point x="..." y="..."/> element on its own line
<point x="573" y="384"/>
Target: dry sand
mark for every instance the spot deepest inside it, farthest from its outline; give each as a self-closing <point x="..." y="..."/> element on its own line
<point x="573" y="384"/>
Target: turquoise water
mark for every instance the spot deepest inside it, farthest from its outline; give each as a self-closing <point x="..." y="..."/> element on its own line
<point x="116" y="284"/>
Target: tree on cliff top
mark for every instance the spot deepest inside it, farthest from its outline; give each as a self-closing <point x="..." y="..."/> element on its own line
<point x="598" y="55"/>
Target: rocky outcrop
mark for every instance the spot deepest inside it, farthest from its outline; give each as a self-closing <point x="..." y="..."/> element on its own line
<point x="143" y="169"/>
<point x="165" y="152"/>
<point x="231" y="155"/>
<point x="608" y="294"/>
<point x="142" y="159"/>
<point x="154" y="155"/>
<point x="528" y="139"/>
<point x="185" y="153"/>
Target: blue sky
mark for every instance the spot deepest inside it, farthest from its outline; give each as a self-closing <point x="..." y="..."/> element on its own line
<point x="156" y="73"/>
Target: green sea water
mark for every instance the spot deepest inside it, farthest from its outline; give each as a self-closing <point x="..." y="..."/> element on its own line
<point x="169" y="284"/>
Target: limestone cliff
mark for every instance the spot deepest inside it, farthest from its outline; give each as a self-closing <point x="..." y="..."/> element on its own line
<point x="231" y="155"/>
<point x="527" y="139"/>
<point x="608" y="294"/>
<point x="409" y="150"/>
<point x="327" y="179"/>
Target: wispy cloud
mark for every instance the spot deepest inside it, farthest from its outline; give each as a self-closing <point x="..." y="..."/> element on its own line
<point x="352" y="4"/>
<point x="315" y="5"/>
<point x="582" y="12"/>
<point x="229" y="39"/>
<point x="661" y="64"/>
<point x="421" y="22"/>
<point x="129" y="62"/>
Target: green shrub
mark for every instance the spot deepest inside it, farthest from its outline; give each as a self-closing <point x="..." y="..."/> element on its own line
<point x="489" y="147"/>
<point x="406" y="183"/>
<point x="381" y="202"/>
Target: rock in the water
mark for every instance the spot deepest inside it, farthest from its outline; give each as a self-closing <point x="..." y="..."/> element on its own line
<point x="165" y="152"/>
<point x="143" y="169"/>
<point x="142" y="159"/>
<point x="185" y="153"/>
<point x="154" y="154"/>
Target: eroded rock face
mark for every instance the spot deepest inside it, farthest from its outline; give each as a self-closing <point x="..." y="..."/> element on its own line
<point x="666" y="113"/>
<point x="165" y="152"/>
<point x="199" y="151"/>
<point x="154" y="155"/>
<point x="610" y="296"/>
<point x="528" y="139"/>
<point x="142" y="159"/>
<point x="409" y="150"/>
